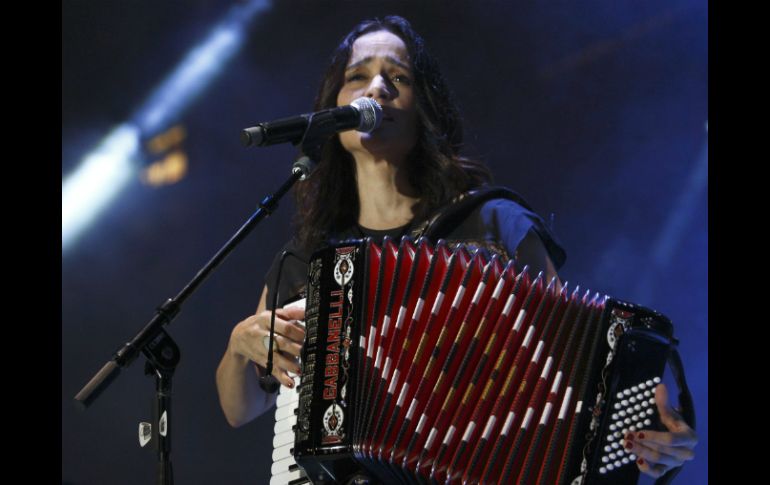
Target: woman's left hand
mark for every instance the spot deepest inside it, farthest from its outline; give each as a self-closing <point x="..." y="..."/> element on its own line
<point x="659" y="451"/>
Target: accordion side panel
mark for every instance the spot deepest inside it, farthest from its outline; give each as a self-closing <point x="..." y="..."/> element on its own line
<point x="325" y="453"/>
<point x="638" y="342"/>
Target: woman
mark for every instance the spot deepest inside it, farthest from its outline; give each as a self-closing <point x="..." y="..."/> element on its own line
<point x="390" y="182"/>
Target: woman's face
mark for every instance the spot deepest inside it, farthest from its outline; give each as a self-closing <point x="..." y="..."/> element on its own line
<point x="379" y="67"/>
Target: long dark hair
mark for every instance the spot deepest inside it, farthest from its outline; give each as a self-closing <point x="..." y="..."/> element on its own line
<point x="327" y="201"/>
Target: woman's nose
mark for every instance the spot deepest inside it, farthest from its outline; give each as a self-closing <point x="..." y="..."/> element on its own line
<point x="379" y="88"/>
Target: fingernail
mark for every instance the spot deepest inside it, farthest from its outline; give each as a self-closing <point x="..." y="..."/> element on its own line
<point x="640" y="461"/>
<point x="629" y="445"/>
<point x="291" y="383"/>
<point x="641" y="436"/>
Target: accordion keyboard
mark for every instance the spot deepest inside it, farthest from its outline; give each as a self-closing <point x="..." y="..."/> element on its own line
<point x="285" y="470"/>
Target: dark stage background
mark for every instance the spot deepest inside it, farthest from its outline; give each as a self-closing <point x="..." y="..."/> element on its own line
<point x="595" y="111"/>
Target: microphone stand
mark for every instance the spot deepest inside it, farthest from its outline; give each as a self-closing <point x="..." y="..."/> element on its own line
<point x="156" y="344"/>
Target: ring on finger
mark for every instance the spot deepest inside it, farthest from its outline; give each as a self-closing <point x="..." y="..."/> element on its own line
<point x="266" y="343"/>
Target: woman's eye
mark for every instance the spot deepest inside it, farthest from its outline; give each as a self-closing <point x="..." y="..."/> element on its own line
<point x="354" y="77"/>
<point x="401" y="79"/>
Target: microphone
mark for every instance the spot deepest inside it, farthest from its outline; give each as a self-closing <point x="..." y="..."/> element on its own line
<point x="363" y="114"/>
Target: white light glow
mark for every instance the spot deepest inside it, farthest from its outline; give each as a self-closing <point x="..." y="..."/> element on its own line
<point x="97" y="181"/>
<point x="108" y="168"/>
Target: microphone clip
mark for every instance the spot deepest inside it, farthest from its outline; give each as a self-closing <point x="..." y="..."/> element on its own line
<point x="320" y="127"/>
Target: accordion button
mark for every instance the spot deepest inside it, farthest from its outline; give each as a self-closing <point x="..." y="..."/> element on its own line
<point x="627" y="421"/>
<point x="624" y="402"/>
<point x="615" y="416"/>
<point x="637" y="407"/>
<point x="617" y="405"/>
<point x="651" y="401"/>
<point x="649" y="383"/>
<point x="635" y="389"/>
<point x="632" y="399"/>
<point x="626" y="392"/>
<point x="622" y="414"/>
<point x="632" y="428"/>
<point x="620" y="395"/>
<point x="610" y="466"/>
<point x="632" y="457"/>
<point x="608" y="448"/>
<point x="605" y="459"/>
<point x="649" y="411"/>
<point x="625" y="460"/>
<point x="603" y="470"/>
<point x="642" y="385"/>
<point x="618" y="434"/>
<point x="617" y="464"/>
<point x="647" y="422"/>
<point x="613" y="427"/>
<point x="656" y="380"/>
<point x="615" y="446"/>
<point x="612" y="456"/>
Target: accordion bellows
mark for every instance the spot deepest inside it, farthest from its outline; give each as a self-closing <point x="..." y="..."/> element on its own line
<point x="425" y="364"/>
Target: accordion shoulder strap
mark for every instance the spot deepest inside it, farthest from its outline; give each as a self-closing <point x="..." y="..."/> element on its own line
<point x="687" y="409"/>
<point x="685" y="403"/>
<point x="442" y="222"/>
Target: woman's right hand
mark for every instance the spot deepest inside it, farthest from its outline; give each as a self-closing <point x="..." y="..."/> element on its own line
<point x="248" y="340"/>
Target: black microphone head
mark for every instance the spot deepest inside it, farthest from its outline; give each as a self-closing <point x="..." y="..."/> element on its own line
<point x="269" y="384"/>
<point x="371" y="114"/>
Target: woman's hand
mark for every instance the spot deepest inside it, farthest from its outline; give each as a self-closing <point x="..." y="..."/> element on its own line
<point x="248" y="340"/>
<point x="659" y="451"/>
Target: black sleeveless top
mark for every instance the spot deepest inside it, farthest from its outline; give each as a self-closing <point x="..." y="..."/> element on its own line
<point x="498" y="224"/>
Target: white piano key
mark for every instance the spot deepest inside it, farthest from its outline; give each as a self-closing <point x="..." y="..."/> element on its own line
<point x="282" y="452"/>
<point x="285" y="425"/>
<point x="283" y="438"/>
<point x="284" y="412"/>
<point x="285" y="478"/>
<point x="282" y="466"/>
<point x="285" y="398"/>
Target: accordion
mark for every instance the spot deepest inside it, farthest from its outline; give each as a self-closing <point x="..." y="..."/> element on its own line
<point x="429" y="364"/>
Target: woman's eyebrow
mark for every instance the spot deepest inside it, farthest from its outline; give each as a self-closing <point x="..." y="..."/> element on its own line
<point x="390" y="59"/>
